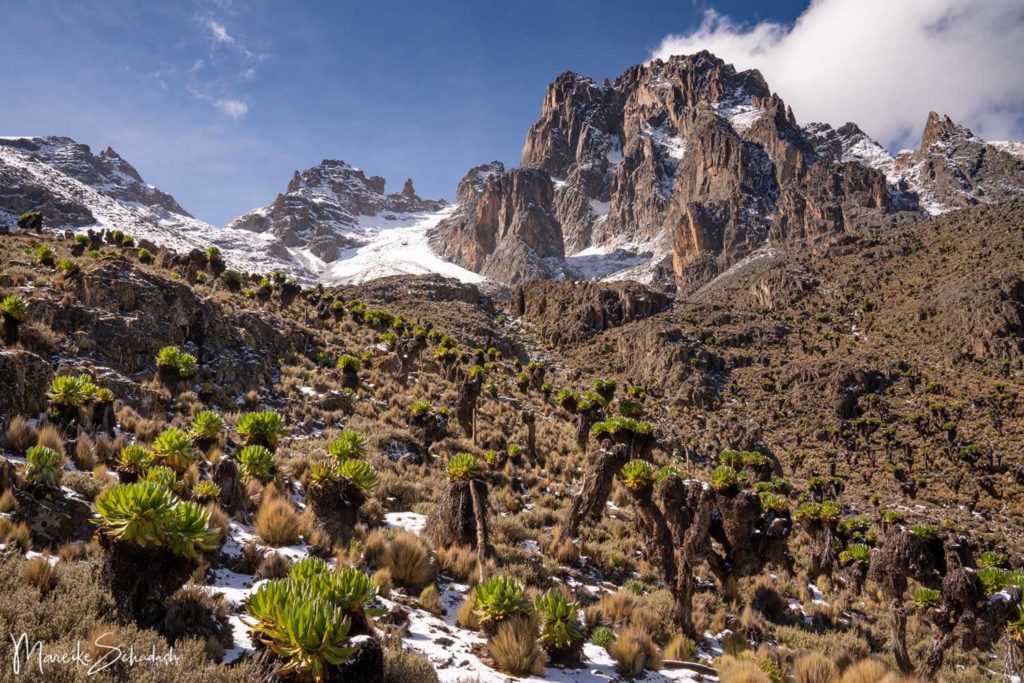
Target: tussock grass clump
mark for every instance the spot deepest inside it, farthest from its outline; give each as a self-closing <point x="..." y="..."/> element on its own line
<point x="408" y="559"/>
<point x="277" y="522"/>
<point x="633" y="652"/>
<point x="514" y="649"/>
<point x="867" y="671"/>
<point x="680" y="649"/>
<point x="41" y="574"/>
<point x="19" y="435"/>
<point x="407" y="666"/>
<point x="430" y="600"/>
<point x="8" y="502"/>
<point x="814" y="667"/>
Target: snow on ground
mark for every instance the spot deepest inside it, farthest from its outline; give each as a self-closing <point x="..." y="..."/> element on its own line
<point x="395" y="247"/>
<point x="410" y="521"/>
<point x="1014" y="147"/>
<point x="616" y="260"/>
<point x="243" y="250"/>
<point x="449" y="647"/>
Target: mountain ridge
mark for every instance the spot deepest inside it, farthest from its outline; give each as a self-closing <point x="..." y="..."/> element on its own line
<point x="669" y="175"/>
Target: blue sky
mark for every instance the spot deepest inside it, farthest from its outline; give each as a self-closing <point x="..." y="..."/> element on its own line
<point x="218" y="102"/>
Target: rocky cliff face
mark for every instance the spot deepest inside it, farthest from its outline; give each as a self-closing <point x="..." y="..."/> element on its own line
<point x="504" y="227"/>
<point x="692" y="159"/>
<point x="953" y="168"/>
<point x="320" y="211"/>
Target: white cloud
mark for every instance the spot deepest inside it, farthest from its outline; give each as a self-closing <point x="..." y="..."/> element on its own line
<point x="236" y="109"/>
<point x="884" y="64"/>
<point x="219" y="33"/>
<point x="228" y="106"/>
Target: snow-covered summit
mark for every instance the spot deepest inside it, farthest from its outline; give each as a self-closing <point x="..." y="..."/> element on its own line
<point x="322" y="209"/>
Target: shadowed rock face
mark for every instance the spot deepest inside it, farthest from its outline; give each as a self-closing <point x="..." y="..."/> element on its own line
<point x="320" y="210"/>
<point x="691" y="158"/>
<point x="564" y="312"/>
<point x="504" y="227"/>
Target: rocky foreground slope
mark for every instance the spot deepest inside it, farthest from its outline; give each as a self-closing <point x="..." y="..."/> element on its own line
<point x="834" y="413"/>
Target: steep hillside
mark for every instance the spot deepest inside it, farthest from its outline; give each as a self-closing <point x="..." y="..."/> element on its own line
<point x="744" y="480"/>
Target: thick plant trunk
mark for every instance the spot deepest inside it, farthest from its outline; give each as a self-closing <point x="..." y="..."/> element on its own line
<point x="460" y="516"/>
<point x="584" y="421"/>
<point x="232" y="490"/>
<point x="142" y="578"/>
<point x="898" y="624"/>
<point x="480" y="518"/>
<point x="336" y="507"/>
<point x="531" y="434"/>
<point x="662" y="551"/>
<point x="590" y="502"/>
<point x="10" y="332"/>
<point x="935" y="655"/>
<point x="465" y="405"/>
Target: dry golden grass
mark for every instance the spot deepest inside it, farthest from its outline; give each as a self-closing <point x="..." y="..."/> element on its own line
<point x="219" y="519"/>
<point x="7" y="501"/>
<point x="514" y="648"/>
<point x="20" y="435"/>
<point x="273" y="566"/>
<point x="617" y="608"/>
<point x="41" y="574"/>
<point x="634" y="651"/>
<point x="430" y="600"/>
<point x="866" y="671"/>
<point x="73" y="552"/>
<point x="465" y="616"/>
<point x="408" y="559"/>
<point x="375" y="547"/>
<point x="85" y="452"/>
<point x="19" y="536"/>
<point x="277" y="522"/>
<point x="733" y="670"/>
<point x="680" y="648"/>
<point x="458" y="561"/>
<point x="382" y="580"/>
<point x="50" y="437"/>
<point x="814" y="667"/>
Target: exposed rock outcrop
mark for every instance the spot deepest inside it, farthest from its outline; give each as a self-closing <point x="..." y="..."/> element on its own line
<point x="690" y="158"/>
<point x="504" y="227"/>
<point x="320" y="210"/>
<point x="565" y="312"/>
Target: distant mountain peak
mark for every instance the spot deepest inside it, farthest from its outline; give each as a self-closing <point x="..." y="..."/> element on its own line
<point x="320" y="210"/>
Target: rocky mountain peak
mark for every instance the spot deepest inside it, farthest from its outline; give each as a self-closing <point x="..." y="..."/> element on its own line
<point x="107" y="172"/>
<point x="941" y="128"/>
<point x="689" y="160"/>
<point x="475" y="179"/>
<point x="504" y="226"/>
<point x="321" y="208"/>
